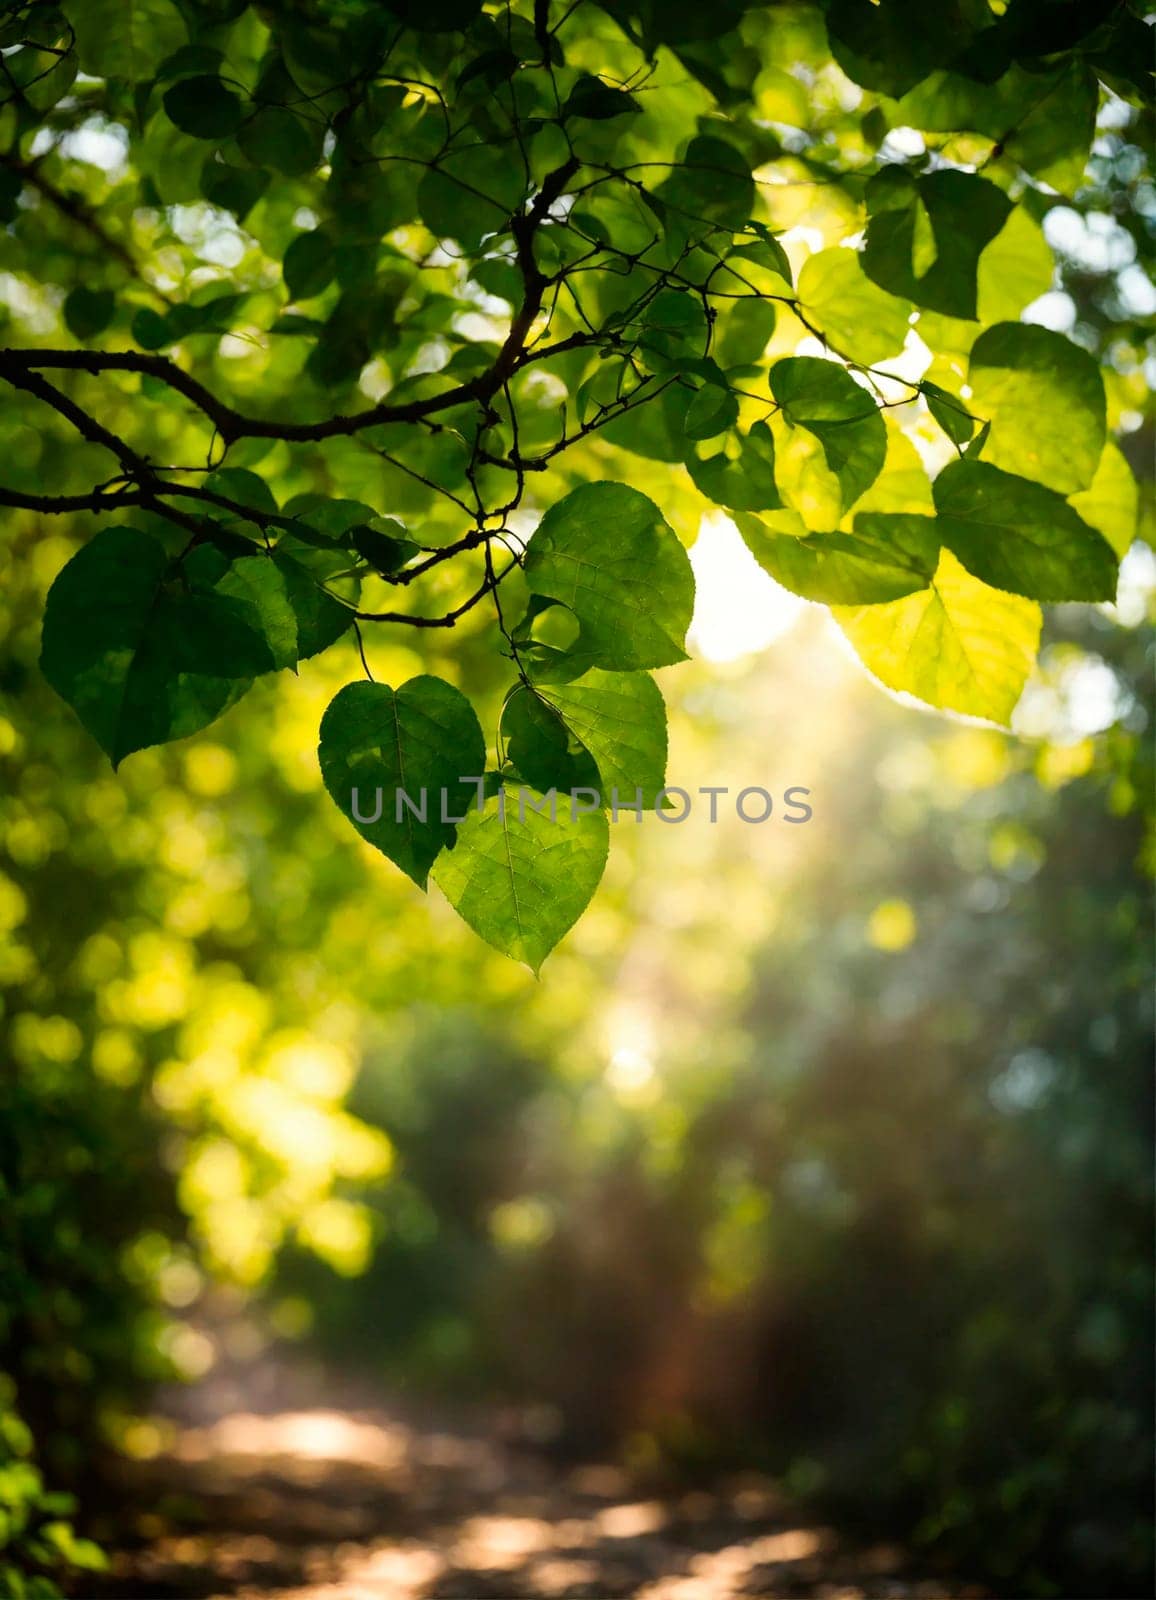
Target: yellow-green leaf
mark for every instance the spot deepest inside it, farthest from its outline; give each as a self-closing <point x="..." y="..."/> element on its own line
<point x="860" y="319"/>
<point x="958" y="645"/>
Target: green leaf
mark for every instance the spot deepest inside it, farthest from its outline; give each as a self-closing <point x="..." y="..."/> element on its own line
<point x="520" y="879"/>
<point x="540" y="748"/>
<point x="903" y="485"/>
<point x="957" y="645"/>
<point x="1019" y="536"/>
<point x="619" y="718"/>
<point x="242" y="486"/>
<point x="290" y="324"/>
<point x="1111" y="502"/>
<point x="713" y="410"/>
<point x="1044" y="121"/>
<point x="258" y="580"/>
<point x="886" y="555"/>
<point x="590" y="97"/>
<point x="124" y="38"/>
<point x="654" y="430"/>
<point x="825" y="400"/>
<point x="925" y="236"/>
<point x="949" y="411"/>
<point x="312" y="578"/>
<point x="188" y="61"/>
<point x="309" y="264"/>
<point x="1015" y="269"/>
<point x="386" y="552"/>
<point x="860" y="320"/>
<point x="11" y="185"/>
<point x="423" y="736"/>
<point x="471" y="193"/>
<point x="746" y="332"/>
<point x="235" y="189"/>
<point x="891" y="47"/>
<point x="435" y="16"/>
<point x="673" y="330"/>
<point x="141" y="656"/>
<point x="494" y="66"/>
<point x="278" y="138"/>
<point x="743" y="481"/>
<point x="151" y="330"/>
<point x="287" y="589"/>
<point x="42" y="79"/>
<point x="711" y="187"/>
<point x="207" y="312"/>
<point x="204" y="107"/>
<point x="976" y="448"/>
<point x="499" y="276"/>
<point x="328" y="520"/>
<point x="88" y="312"/>
<point x="759" y="265"/>
<point x="1044" y="398"/>
<point x="607" y="553"/>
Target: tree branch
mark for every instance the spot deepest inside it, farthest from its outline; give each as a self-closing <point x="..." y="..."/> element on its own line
<point x="491" y="581"/>
<point x="21" y="376"/>
<point x="63" y="504"/>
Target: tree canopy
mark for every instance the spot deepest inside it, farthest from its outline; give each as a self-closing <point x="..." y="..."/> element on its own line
<point x="348" y="319"/>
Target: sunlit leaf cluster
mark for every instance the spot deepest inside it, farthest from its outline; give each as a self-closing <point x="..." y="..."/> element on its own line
<point x="387" y="317"/>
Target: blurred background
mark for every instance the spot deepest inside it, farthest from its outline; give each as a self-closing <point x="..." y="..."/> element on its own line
<point x="820" y="1151"/>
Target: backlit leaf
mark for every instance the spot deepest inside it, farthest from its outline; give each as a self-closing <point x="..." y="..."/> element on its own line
<point x="619" y="718"/>
<point x="824" y="399"/>
<point x="141" y="655"/>
<point x="539" y="745"/>
<point x="957" y="645"/>
<point x="963" y="213"/>
<point x="949" y="411"/>
<point x="1043" y="121"/>
<point x="1044" y="398"/>
<point x="740" y="476"/>
<point x="521" y="878"/>
<point x="418" y="741"/>
<point x="711" y="187"/>
<point x="885" y="556"/>
<point x="607" y="553"/>
<point x="859" y="319"/>
<point x="891" y="47"/>
<point x="1111" y="502"/>
<point x="125" y="38"/>
<point x="1019" y="536"/>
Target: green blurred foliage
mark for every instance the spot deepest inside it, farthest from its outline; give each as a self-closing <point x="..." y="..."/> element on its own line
<point x="38" y="1544"/>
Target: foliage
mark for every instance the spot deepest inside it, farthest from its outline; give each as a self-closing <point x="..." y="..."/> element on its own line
<point x="37" y="1541"/>
<point x="488" y="306"/>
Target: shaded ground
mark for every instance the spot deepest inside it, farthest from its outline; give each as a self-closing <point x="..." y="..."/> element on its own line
<point x="348" y="1504"/>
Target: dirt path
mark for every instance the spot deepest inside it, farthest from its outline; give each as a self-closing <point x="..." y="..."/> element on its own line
<point x="334" y="1504"/>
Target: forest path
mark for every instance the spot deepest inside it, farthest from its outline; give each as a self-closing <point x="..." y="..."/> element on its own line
<point x="344" y="1504"/>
